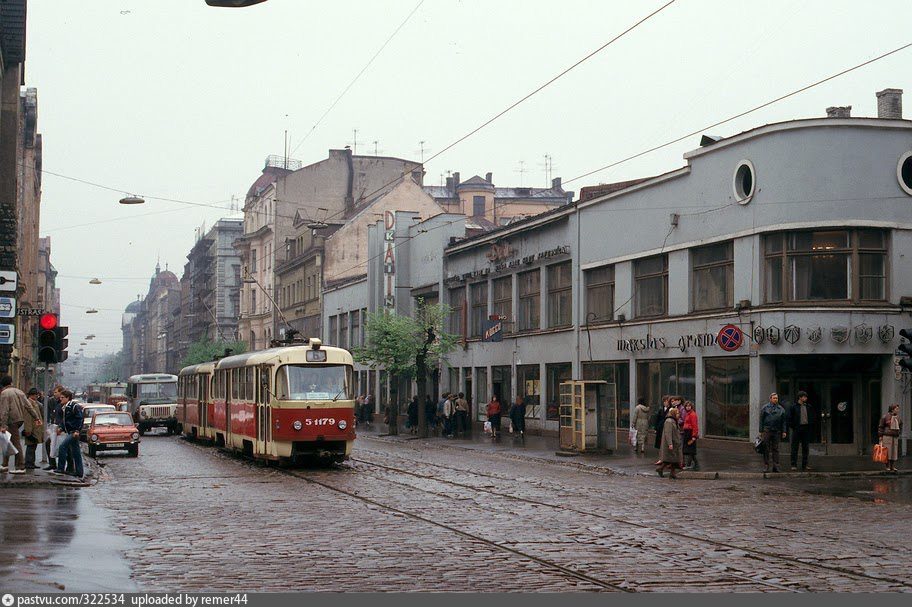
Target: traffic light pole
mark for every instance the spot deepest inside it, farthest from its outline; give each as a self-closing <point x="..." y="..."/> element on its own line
<point x="47" y="456"/>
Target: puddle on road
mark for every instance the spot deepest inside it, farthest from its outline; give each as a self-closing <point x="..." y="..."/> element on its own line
<point x="880" y="490"/>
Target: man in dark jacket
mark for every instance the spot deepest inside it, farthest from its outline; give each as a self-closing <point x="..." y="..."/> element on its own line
<point x="772" y="429"/>
<point x="54" y="421"/>
<point x="799" y="425"/>
<point x="69" y="447"/>
<point x="659" y="421"/>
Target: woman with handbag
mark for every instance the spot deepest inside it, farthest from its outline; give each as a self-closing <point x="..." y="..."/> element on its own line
<point x="889" y="430"/>
<point x="494" y="410"/>
<point x="690" y="432"/>
<point x="32" y="428"/>
<point x="670" y="450"/>
<point x="640" y="424"/>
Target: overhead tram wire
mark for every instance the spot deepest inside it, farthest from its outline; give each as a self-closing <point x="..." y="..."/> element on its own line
<point x="356" y="78"/>
<point x="744" y="113"/>
<point x="516" y="103"/>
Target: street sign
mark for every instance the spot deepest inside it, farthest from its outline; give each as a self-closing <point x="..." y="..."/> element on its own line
<point x="7" y="307"/>
<point x="8" y="281"/>
<point x="7" y="335"/>
<point x="31" y="311"/>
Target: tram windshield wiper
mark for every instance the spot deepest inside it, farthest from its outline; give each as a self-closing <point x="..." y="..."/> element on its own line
<point x="336" y="397"/>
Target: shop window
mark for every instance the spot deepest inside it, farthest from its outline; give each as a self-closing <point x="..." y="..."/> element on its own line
<point x="727" y="397"/>
<point x="481" y="392"/>
<point x="457" y="305"/>
<point x="650" y="294"/>
<point x="529" y="298"/>
<point x="658" y="378"/>
<point x="619" y="375"/>
<point x="825" y="265"/>
<point x="560" y="295"/>
<point x="713" y="276"/>
<point x="600" y="294"/>
<point x="528" y="382"/>
<point x="556" y="374"/>
<point x="503" y="299"/>
<point x="479" y="293"/>
<point x="356" y="328"/>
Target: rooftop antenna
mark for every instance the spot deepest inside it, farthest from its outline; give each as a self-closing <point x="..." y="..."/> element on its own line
<point x="354" y="142"/>
<point x="422" y="150"/>
<point x="548" y="166"/>
<point x="521" y="170"/>
<point x="376" y="148"/>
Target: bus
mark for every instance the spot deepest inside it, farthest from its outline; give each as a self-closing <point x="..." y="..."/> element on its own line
<point x="152" y="399"/>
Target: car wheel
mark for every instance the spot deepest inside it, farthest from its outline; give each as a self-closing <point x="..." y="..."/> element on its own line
<point x="133" y="450"/>
<point x="93" y="450"/>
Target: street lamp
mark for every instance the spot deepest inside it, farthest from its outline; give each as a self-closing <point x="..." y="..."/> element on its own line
<point x="131" y="200"/>
<point x="91" y="311"/>
<point x="94" y="281"/>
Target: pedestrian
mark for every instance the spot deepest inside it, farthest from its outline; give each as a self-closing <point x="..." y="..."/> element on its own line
<point x="799" y="426"/>
<point x="69" y="450"/>
<point x="689" y="434"/>
<point x="462" y="415"/>
<point x="670" y="450"/>
<point x="32" y="427"/>
<point x="658" y="421"/>
<point x="640" y="424"/>
<point x="449" y="415"/>
<point x="359" y="409"/>
<point x="430" y="413"/>
<point x="55" y="420"/>
<point x="518" y="416"/>
<point x="772" y="430"/>
<point x="369" y="410"/>
<point x="413" y="415"/>
<point x="6" y="448"/>
<point x="494" y="410"/>
<point x="889" y="430"/>
<point x="12" y="408"/>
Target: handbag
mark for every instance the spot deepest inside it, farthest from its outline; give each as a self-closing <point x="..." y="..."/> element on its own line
<point x="633" y="436"/>
<point x="487" y="427"/>
<point x="879" y="454"/>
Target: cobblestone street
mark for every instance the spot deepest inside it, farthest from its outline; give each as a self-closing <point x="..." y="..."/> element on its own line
<point x="404" y="517"/>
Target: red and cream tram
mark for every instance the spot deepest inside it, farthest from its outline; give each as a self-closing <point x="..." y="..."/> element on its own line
<point x="287" y="403"/>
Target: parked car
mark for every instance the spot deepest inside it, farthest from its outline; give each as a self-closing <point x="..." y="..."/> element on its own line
<point x="112" y="430"/>
<point x="89" y="411"/>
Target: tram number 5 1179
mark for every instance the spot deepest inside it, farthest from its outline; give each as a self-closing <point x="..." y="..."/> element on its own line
<point x="321" y="421"/>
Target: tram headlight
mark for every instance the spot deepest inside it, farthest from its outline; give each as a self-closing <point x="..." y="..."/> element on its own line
<point x="297" y="425"/>
<point x="343" y="424"/>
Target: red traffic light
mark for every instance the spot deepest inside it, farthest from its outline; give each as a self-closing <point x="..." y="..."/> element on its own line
<point x="48" y="322"/>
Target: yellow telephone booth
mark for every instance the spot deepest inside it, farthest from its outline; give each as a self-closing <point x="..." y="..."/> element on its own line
<point x="588" y="416"/>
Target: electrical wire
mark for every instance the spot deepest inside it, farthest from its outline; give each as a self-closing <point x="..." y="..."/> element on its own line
<point x="742" y="114"/>
<point x="355" y="79"/>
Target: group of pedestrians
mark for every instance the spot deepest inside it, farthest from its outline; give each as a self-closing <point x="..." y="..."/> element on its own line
<point x="449" y="416"/>
<point x="364" y="410"/>
<point x="22" y="423"/>
<point x="677" y="430"/>
<point x="516" y="414"/>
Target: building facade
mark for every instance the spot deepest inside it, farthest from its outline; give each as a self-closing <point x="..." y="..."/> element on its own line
<point x="773" y="261"/>
<point x="151" y="329"/>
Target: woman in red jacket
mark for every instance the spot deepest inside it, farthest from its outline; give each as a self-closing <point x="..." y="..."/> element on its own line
<point x="494" y="411"/>
<point x="690" y="431"/>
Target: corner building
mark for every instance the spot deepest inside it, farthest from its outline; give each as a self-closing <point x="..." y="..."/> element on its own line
<point x="796" y="234"/>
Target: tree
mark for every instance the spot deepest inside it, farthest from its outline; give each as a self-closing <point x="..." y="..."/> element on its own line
<point x="407" y="347"/>
<point x="206" y="350"/>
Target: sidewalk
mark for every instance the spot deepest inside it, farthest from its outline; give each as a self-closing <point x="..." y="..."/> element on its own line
<point x="715" y="463"/>
<point x="39" y="478"/>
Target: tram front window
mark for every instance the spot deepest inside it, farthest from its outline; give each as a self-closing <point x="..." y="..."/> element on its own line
<point x="312" y="382"/>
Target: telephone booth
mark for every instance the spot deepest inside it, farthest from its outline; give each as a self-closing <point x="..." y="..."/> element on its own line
<point x="588" y="416"/>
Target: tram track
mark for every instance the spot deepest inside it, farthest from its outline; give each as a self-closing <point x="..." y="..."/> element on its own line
<point x="760" y="554"/>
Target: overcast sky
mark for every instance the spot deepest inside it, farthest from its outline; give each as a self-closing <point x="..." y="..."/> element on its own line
<point x="175" y="99"/>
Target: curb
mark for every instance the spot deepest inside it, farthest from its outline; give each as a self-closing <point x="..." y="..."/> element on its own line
<point x="683" y="475"/>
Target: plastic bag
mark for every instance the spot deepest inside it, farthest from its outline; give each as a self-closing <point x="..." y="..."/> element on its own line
<point x="633" y="435"/>
<point x="759" y="445"/>
<point x="879" y="454"/>
<point x="487" y="427"/>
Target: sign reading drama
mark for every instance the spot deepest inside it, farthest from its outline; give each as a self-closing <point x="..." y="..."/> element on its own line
<point x="389" y="259"/>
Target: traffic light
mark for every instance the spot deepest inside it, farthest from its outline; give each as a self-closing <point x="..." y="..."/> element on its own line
<point x="905" y="350"/>
<point x="61" y="342"/>
<point x="47" y="338"/>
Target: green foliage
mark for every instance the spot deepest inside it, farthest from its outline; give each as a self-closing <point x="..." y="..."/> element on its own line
<point x="205" y="350"/>
<point x="395" y="343"/>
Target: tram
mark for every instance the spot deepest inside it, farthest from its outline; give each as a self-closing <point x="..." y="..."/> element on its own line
<point x="289" y="403"/>
<point x="114" y="393"/>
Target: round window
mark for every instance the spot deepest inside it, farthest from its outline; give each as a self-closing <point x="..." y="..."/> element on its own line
<point x="744" y="181"/>
<point x="904" y="172"/>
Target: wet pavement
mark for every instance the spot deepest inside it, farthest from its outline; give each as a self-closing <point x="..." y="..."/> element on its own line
<point x="416" y="515"/>
<point x="56" y="539"/>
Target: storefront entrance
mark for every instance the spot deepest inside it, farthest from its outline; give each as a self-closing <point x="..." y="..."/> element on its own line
<point x="844" y="394"/>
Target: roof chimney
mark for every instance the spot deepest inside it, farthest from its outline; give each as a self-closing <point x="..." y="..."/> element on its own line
<point x="449" y="184"/>
<point x="889" y="104"/>
<point x="839" y="112"/>
<point x="556" y="183"/>
<point x="488" y="177"/>
<point x="456" y="179"/>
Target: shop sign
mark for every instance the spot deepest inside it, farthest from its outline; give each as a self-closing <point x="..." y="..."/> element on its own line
<point x="886" y="333"/>
<point x="839" y="334"/>
<point x="7" y="307"/>
<point x="389" y="259"/>
<point x="815" y="334"/>
<point x="792" y="334"/>
<point x="863" y="333"/>
<point x="773" y="335"/>
<point x="493" y="330"/>
<point x="684" y="342"/>
<point x="528" y="259"/>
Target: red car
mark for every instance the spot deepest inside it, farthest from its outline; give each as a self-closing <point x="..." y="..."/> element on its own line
<point x="112" y="430"/>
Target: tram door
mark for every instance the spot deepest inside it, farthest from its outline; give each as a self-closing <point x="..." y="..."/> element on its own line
<point x="264" y="417"/>
<point x="203" y="411"/>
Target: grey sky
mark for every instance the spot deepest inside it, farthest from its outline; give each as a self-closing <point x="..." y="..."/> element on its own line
<point x="175" y="99"/>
